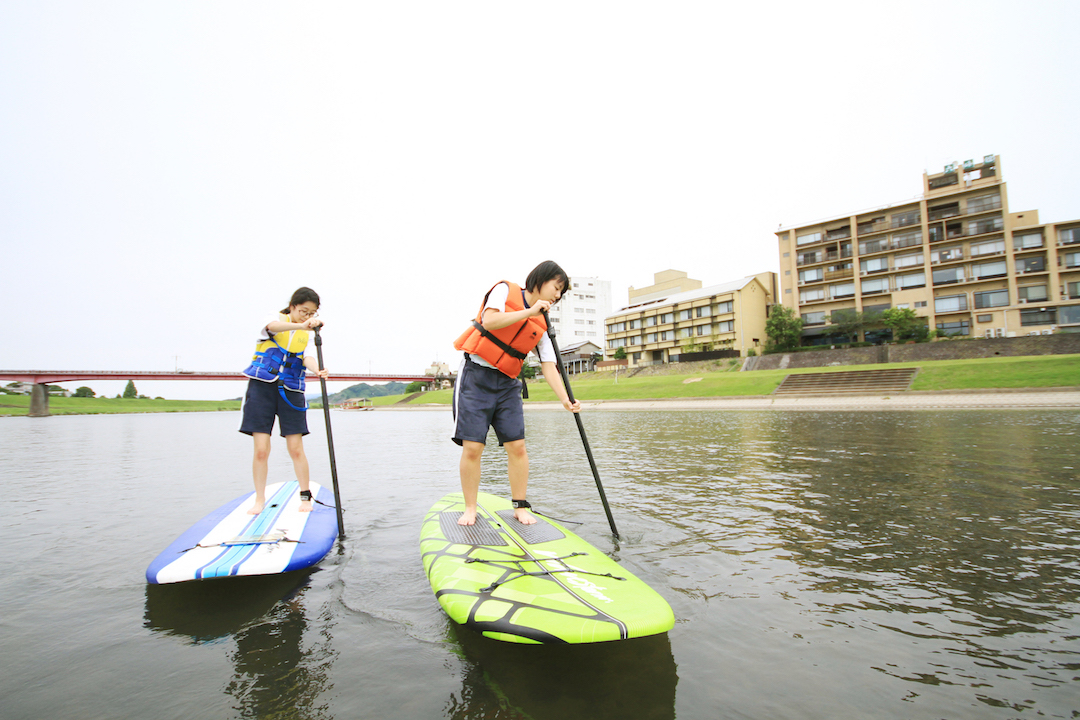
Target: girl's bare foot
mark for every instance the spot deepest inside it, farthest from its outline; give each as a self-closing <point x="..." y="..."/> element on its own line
<point x="305" y="506"/>
<point x="257" y="507"/>
<point x="524" y="517"/>
<point x="467" y="518"/>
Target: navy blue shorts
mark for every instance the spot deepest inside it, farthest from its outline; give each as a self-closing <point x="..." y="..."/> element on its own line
<point x="263" y="402"/>
<point x="483" y="398"/>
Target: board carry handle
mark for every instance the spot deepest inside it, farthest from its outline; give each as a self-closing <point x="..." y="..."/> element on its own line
<point x="580" y="426"/>
<point x="330" y="439"/>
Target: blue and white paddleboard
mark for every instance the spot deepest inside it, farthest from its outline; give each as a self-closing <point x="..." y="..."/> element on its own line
<point x="229" y="541"/>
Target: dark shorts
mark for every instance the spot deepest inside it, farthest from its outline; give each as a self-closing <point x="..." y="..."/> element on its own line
<point x="263" y="402"/>
<point x="483" y="398"/>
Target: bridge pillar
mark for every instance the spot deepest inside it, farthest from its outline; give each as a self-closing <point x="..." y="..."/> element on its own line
<point x="39" y="401"/>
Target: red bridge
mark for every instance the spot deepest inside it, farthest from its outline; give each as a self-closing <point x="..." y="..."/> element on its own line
<point x="39" y="398"/>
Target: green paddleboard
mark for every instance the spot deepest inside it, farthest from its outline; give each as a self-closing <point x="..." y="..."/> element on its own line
<point x="532" y="583"/>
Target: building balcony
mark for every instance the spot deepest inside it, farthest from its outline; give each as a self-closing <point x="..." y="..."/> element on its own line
<point x="837" y="274"/>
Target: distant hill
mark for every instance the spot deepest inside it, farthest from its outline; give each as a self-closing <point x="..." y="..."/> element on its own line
<point x="363" y="390"/>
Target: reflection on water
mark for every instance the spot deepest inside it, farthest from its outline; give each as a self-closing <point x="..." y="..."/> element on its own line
<point x="628" y="679"/>
<point x="820" y="565"/>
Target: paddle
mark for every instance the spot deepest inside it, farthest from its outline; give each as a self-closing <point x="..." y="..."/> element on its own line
<point x="330" y="439"/>
<point x="581" y="427"/>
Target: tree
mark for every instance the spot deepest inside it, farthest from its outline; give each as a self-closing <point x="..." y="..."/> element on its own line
<point x="129" y="391"/>
<point x="905" y="324"/>
<point x="84" y="392"/>
<point x="783" y="329"/>
<point x="620" y="353"/>
<point x="850" y="322"/>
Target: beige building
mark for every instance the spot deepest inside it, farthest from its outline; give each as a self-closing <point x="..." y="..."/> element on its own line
<point x="667" y="282"/>
<point x="721" y="317"/>
<point x="956" y="256"/>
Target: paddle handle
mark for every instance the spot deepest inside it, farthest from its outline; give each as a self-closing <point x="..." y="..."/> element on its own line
<point x="330" y="439"/>
<point x="581" y="427"/>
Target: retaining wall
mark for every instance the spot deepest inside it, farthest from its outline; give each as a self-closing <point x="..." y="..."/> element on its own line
<point x="1062" y="344"/>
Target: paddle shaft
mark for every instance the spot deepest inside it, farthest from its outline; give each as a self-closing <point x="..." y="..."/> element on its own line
<point x="581" y="427"/>
<point x="330" y="439"/>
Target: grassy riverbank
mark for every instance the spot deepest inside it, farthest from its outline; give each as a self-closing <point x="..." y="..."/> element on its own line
<point x="717" y="379"/>
<point x="20" y="405"/>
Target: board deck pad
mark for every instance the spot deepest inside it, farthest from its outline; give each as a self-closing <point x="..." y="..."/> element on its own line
<point x="535" y="583"/>
<point x="230" y="542"/>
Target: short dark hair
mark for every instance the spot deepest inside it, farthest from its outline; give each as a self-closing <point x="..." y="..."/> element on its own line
<point x="545" y="271"/>
<point x="301" y="296"/>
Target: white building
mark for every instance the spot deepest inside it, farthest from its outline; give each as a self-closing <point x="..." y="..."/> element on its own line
<point x="579" y="316"/>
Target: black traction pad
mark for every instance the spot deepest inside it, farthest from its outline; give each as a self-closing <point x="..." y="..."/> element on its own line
<point x="479" y="534"/>
<point x="541" y="532"/>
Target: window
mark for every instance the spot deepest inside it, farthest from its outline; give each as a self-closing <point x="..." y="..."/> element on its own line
<point x="947" y="254"/>
<point x="613" y="327"/>
<point x="1069" y="315"/>
<point x="946" y="276"/>
<point x="635" y="340"/>
<point x="1031" y="264"/>
<point x="920" y="303"/>
<point x="991" y="298"/>
<point x="724" y="307"/>
<point x="874" y="265"/>
<point x="908" y="260"/>
<point x="1043" y="316"/>
<point x="904" y="219"/>
<point x="808" y="238"/>
<point x="634" y="324"/>
<point x="1023" y="242"/>
<point x="989" y="270"/>
<point x="912" y="280"/>
<point x="1072" y="259"/>
<point x="957" y="327"/>
<point x="807" y="258"/>
<point x="988" y="248"/>
<point x="703" y="312"/>
<point x="978" y="227"/>
<point x="872" y="246"/>
<point x="1070" y="236"/>
<point x="686" y="332"/>
<point x="1032" y="293"/>
<point x="616" y="343"/>
<point x="805" y="276"/>
<point x="875" y="285"/>
<point x="806" y="296"/>
<point x="984" y="203"/>
<point x="726" y="326"/>
<point x="842" y="290"/>
<point x="651" y="338"/>
<point x="985" y="318"/>
<point x="650" y="321"/>
<point x="702" y="330"/>
<point x="908" y="239"/>
<point x="814" y="318"/>
<point x="666" y="318"/>
<point x="667" y="335"/>
<point x="1073" y="290"/>
<point x="685" y="315"/>
<point x="951" y="303"/>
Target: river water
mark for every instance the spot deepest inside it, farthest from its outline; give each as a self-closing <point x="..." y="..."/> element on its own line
<point x="919" y="564"/>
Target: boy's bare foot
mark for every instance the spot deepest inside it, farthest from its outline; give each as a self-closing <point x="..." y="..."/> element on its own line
<point x="467" y="518"/>
<point x="305" y="506"/>
<point x="524" y="517"/>
<point x="257" y="507"/>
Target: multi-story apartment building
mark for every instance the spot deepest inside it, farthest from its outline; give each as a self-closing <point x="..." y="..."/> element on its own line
<point x="956" y="256"/>
<point x="579" y="314"/>
<point x="721" y="317"/>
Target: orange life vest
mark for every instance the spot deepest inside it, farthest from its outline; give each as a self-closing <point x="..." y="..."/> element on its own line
<point x="507" y="347"/>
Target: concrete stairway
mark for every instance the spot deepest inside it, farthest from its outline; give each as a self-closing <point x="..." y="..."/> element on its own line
<point x="866" y="382"/>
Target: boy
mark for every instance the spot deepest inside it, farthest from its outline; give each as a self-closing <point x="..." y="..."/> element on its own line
<point x="487" y="394"/>
<point x="276" y="389"/>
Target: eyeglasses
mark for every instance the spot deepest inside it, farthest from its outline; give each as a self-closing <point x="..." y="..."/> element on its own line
<point x="305" y="313"/>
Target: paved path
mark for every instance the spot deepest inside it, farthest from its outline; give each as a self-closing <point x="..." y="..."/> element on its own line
<point x="1026" y="398"/>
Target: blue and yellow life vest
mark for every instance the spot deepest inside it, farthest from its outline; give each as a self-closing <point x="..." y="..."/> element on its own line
<point x="281" y="358"/>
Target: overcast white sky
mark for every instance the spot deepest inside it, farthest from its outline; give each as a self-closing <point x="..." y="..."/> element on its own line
<point x="171" y="171"/>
